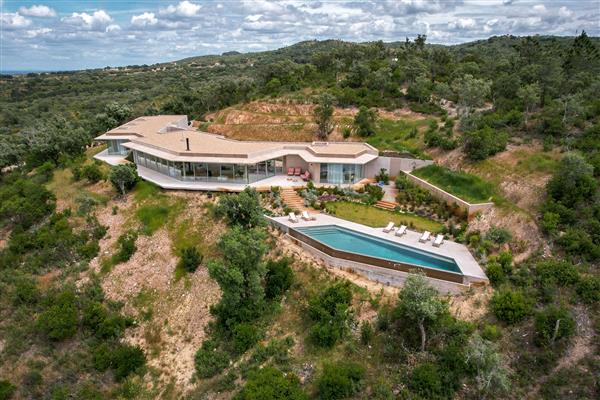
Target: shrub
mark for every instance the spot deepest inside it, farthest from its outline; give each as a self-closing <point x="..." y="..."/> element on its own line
<point x="209" y="360"/>
<point x="126" y="360"/>
<point x="190" y="259"/>
<point x="491" y="332"/>
<point x="244" y="337"/>
<point x="553" y="324"/>
<point x="271" y="384"/>
<point x="557" y="272"/>
<point x="103" y="324"/>
<point x="127" y="247"/>
<point x="366" y="332"/>
<point x="279" y="277"/>
<point x="498" y="235"/>
<point x="483" y="143"/>
<point x="426" y="381"/>
<point x="59" y="321"/>
<point x="331" y="313"/>
<point x="6" y="390"/>
<point x="340" y="380"/>
<point x="509" y="305"/>
<point x="495" y="273"/>
<point x="91" y="172"/>
<point x="382" y="176"/>
<point x="26" y="292"/>
<point x="588" y="289"/>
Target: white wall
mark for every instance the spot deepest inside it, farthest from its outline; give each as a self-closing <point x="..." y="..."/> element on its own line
<point x="393" y="165"/>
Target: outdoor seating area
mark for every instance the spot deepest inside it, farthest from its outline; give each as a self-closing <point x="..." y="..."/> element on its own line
<point x="425" y="237"/>
<point x="295" y="171"/>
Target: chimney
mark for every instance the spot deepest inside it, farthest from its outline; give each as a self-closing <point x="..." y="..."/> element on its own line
<point x="187" y="144"/>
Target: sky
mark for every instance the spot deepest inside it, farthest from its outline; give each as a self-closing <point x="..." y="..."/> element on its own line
<point x="71" y="34"/>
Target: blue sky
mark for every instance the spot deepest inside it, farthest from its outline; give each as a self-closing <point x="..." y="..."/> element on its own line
<point x="70" y="34"/>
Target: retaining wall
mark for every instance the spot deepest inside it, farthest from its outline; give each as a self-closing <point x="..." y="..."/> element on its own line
<point x="471" y="209"/>
<point x="394" y="165"/>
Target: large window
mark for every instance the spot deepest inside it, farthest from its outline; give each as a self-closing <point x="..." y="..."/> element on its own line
<point x="338" y="174"/>
<point x="209" y="172"/>
<point x="116" y="147"/>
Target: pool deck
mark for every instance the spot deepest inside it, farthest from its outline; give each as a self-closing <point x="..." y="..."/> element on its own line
<point x="458" y="252"/>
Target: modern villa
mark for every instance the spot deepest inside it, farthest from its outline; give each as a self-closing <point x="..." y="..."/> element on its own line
<point x="173" y="155"/>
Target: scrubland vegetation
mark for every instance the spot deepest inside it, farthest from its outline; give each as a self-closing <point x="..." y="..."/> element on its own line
<point x="282" y="327"/>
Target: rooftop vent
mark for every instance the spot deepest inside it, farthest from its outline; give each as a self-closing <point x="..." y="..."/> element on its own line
<point x="320" y="143"/>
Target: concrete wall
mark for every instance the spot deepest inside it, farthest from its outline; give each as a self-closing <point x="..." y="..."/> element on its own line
<point x="294" y="161"/>
<point x="450" y="198"/>
<point x="315" y="172"/>
<point x="393" y="165"/>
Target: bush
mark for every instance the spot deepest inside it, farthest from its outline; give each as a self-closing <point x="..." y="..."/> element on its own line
<point x="498" y="235"/>
<point x="560" y="273"/>
<point x="6" y="390"/>
<point x="382" y="176"/>
<point x="244" y="337"/>
<point x="426" y="381"/>
<point x="127" y="247"/>
<point x="491" y="332"/>
<point x="103" y="324"/>
<point x="366" y="332"/>
<point x="495" y="273"/>
<point x="59" y="321"/>
<point x="123" y="177"/>
<point x="190" y="259"/>
<point x="510" y="306"/>
<point x="26" y="292"/>
<point x="588" y="289"/>
<point x="279" y="277"/>
<point x="209" y="360"/>
<point x="331" y="313"/>
<point x="340" y="380"/>
<point x="122" y="359"/>
<point x="91" y="172"/>
<point x="483" y="143"/>
<point x="553" y="324"/>
<point x="271" y="384"/>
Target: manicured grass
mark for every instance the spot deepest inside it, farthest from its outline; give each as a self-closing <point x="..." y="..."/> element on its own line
<point x="376" y="217"/>
<point x="465" y="186"/>
<point x="396" y="135"/>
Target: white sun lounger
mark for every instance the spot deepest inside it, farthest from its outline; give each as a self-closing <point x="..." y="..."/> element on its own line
<point x="293" y="218"/>
<point x="439" y="239"/>
<point x="401" y="231"/>
<point x="425" y="237"/>
<point x="307" y="217"/>
<point x="389" y="227"/>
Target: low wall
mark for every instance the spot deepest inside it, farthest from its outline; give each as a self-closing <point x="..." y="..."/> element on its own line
<point x="394" y="165"/>
<point x="448" y="197"/>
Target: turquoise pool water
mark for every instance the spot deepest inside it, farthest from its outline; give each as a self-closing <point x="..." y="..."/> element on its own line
<point x="351" y="241"/>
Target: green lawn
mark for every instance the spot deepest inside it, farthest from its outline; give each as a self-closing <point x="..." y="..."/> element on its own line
<point x="461" y="184"/>
<point x="396" y="135"/>
<point x="376" y="217"/>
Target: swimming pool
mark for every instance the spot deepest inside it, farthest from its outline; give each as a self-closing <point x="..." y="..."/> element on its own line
<point x="351" y="241"/>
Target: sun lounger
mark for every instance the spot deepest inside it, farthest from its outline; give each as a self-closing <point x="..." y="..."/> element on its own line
<point x="389" y="227"/>
<point x="401" y="231"/>
<point x="297" y="171"/>
<point x="439" y="239"/>
<point x="425" y="237"/>
<point x="307" y="217"/>
<point x="293" y="218"/>
<point x="305" y="176"/>
<point x="290" y="171"/>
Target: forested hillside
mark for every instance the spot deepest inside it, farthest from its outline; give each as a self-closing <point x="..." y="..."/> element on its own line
<point x="113" y="288"/>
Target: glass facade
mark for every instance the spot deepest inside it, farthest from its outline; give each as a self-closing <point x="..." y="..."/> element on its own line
<point x="338" y="174"/>
<point x="116" y="147"/>
<point x="210" y="172"/>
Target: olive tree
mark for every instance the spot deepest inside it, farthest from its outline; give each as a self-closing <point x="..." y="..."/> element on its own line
<point x="418" y="303"/>
<point x="471" y="93"/>
<point x="123" y="177"/>
<point x="323" y="113"/>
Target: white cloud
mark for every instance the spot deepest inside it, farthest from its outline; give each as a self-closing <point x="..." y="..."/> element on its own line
<point x="40" y="11"/>
<point x="112" y="28"/>
<point x="462" y="23"/>
<point x="145" y="19"/>
<point x="183" y="9"/>
<point x="564" y="12"/>
<point x="540" y="8"/>
<point x="99" y="20"/>
<point x="37" y="32"/>
<point x="14" y="21"/>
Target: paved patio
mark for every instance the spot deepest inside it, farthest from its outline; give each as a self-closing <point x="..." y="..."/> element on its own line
<point x="459" y="252"/>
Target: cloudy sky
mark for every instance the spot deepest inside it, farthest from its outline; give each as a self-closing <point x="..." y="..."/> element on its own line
<point x="70" y="34"/>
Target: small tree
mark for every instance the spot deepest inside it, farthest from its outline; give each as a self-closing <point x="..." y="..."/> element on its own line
<point x="279" y="277"/>
<point x="331" y="313"/>
<point x="242" y="209"/>
<point x="553" y="324"/>
<point x="530" y="96"/>
<point x="471" y="92"/>
<point x="510" y="306"/>
<point x="91" y="172"/>
<point x="59" y="321"/>
<point x="190" y="259"/>
<point x="123" y="177"/>
<point x="491" y="375"/>
<point x="271" y="384"/>
<point x="365" y="121"/>
<point x="418" y="303"/>
<point x="323" y="113"/>
<point x="340" y="380"/>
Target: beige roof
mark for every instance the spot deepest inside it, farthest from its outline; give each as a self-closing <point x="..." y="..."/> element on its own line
<point x="165" y="137"/>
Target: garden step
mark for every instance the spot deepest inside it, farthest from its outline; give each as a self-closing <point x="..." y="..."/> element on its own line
<point x="388" y="205"/>
<point x="292" y="199"/>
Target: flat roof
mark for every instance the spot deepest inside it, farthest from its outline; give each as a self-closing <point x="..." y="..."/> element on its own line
<point x="165" y="136"/>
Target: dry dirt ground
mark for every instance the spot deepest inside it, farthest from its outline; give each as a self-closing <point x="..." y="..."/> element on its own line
<point x="285" y="121"/>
